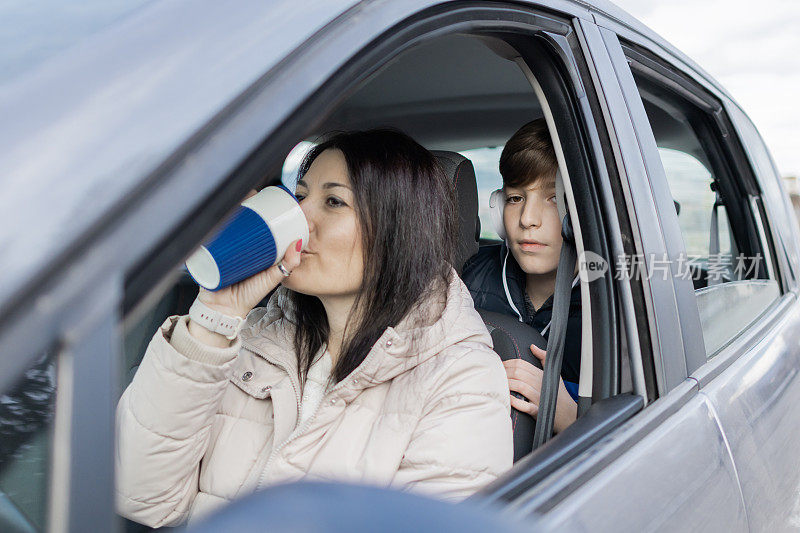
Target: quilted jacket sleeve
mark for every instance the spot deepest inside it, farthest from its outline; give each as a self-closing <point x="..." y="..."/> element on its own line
<point x="163" y="424"/>
<point x="464" y="438"/>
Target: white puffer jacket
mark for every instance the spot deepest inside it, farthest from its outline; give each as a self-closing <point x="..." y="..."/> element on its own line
<point x="199" y="425"/>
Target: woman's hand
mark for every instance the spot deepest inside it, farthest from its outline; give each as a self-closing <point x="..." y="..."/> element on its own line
<point x="238" y="299"/>
<point x="526" y="379"/>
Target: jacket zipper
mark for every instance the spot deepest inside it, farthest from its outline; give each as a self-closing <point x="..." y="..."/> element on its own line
<point x="296" y="431"/>
<point x="301" y="429"/>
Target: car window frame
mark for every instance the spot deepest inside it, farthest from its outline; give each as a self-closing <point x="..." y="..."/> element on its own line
<point x="777" y="208"/>
<point x="726" y="146"/>
<point x="82" y="333"/>
<point x="726" y="155"/>
<point x="123" y="264"/>
<point x="771" y="318"/>
<point x="508" y="20"/>
<point x="657" y="320"/>
<point x="521" y="485"/>
<point x="618" y="91"/>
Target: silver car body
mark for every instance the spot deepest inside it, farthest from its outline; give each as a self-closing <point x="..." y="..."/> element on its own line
<point x="166" y="103"/>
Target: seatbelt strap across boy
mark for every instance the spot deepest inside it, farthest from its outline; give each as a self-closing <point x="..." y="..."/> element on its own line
<point x="556" y="339"/>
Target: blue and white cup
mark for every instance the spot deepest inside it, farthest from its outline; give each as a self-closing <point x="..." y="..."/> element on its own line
<point x="254" y="239"/>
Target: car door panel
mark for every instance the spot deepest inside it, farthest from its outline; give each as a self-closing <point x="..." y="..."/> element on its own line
<point x="756" y="400"/>
<point x="667" y="467"/>
<point x="668" y="482"/>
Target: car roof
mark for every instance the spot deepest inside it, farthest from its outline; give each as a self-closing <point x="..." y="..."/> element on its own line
<point x="82" y="130"/>
<point x="432" y="93"/>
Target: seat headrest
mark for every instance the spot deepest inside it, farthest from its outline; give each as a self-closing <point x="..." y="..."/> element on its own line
<point x="460" y="170"/>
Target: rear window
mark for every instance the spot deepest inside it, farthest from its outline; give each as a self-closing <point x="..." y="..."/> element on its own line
<point x="486" y="161"/>
<point x="487" y="173"/>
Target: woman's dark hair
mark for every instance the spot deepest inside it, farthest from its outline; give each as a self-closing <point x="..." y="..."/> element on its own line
<point x="406" y="209"/>
<point x="528" y="155"/>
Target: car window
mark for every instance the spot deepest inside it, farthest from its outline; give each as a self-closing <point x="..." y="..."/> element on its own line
<point x="471" y="132"/>
<point x="485" y="161"/>
<point x="487" y="173"/>
<point x="724" y="254"/>
<point x="765" y="168"/>
<point x="691" y="185"/>
<point x="26" y="424"/>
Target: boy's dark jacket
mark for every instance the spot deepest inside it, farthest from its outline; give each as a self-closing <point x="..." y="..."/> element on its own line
<point x="483" y="276"/>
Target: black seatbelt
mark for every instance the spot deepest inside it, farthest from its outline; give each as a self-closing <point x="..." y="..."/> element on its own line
<point x="556" y="339"/>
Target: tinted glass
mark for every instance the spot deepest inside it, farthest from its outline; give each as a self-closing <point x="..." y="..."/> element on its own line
<point x="690" y="183"/>
<point x="731" y="281"/>
<point x="26" y="421"/>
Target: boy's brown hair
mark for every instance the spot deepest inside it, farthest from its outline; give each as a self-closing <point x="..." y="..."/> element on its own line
<point x="528" y="155"/>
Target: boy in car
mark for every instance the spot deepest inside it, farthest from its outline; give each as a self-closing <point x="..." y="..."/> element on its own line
<point x="517" y="277"/>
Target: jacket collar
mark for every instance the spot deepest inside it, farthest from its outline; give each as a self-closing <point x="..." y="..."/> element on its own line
<point x="438" y="321"/>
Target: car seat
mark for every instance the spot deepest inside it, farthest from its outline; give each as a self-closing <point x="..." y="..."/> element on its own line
<point x="510" y="337"/>
<point x="461" y="172"/>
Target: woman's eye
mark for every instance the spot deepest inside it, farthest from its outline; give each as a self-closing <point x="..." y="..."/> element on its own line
<point x="552" y="199"/>
<point x="332" y="201"/>
<point x="513" y="199"/>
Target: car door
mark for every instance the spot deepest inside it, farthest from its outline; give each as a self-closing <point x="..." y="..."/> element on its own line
<point x="611" y="453"/>
<point x="753" y="382"/>
<point x="669" y="467"/>
<point x="528" y="28"/>
<point x="749" y="314"/>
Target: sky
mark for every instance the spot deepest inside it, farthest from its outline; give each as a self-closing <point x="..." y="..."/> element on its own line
<point x="751" y="48"/>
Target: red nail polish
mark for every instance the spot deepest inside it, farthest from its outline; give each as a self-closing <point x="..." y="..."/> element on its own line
<point x="299" y="245"/>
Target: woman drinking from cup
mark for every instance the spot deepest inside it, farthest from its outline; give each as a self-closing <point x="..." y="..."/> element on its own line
<point x="369" y="364"/>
